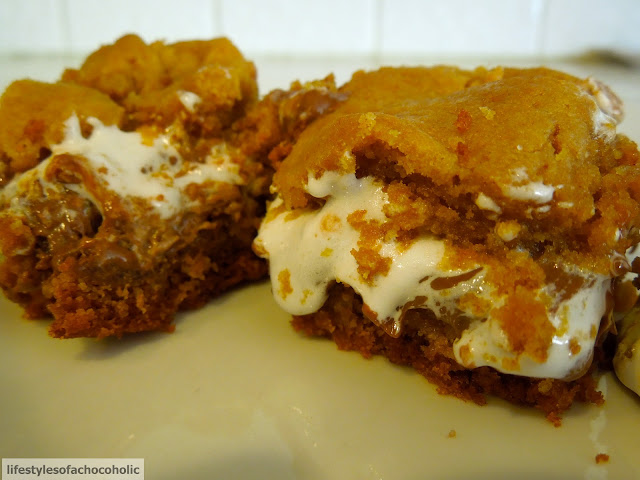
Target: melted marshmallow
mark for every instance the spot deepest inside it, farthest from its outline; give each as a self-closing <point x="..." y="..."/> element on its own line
<point x="315" y="248"/>
<point x="131" y="168"/>
<point x="525" y="190"/>
<point x="575" y="319"/>
<point x="189" y="100"/>
<point x="485" y="202"/>
<point x="609" y="110"/>
<point x="308" y="251"/>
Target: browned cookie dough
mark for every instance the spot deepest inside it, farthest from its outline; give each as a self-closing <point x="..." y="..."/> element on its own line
<point x="134" y="186"/>
<point x="467" y="223"/>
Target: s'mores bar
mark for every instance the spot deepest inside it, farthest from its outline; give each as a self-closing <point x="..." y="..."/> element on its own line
<point x="471" y="224"/>
<point x="133" y="187"/>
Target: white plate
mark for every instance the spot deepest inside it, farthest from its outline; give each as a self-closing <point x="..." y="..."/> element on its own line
<point x="236" y="393"/>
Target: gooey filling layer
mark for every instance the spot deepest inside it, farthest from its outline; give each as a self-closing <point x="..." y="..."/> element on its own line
<point x="309" y="250"/>
<point x="130" y="166"/>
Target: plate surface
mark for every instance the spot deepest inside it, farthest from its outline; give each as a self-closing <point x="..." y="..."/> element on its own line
<point x="236" y="393"/>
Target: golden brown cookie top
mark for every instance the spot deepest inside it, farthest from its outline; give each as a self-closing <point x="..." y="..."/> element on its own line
<point x="504" y="157"/>
<point x="148" y="79"/>
<point x="200" y="88"/>
<point x="32" y="116"/>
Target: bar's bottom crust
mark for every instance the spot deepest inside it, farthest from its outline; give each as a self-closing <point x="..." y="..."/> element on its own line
<point x="103" y="291"/>
<point x="144" y="304"/>
<point x="426" y="346"/>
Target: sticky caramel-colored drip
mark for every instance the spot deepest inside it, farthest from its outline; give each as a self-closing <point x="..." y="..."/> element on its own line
<point x="392" y="327"/>
<point x="442" y="283"/>
<point x="607" y="324"/>
<point x="388" y="325"/>
<point x="567" y="284"/>
<point x="579" y="371"/>
<point x="415" y="316"/>
<point x="415" y="303"/>
<point x="625" y="296"/>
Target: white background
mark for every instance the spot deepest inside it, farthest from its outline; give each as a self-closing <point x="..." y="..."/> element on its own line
<point x="375" y="28"/>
